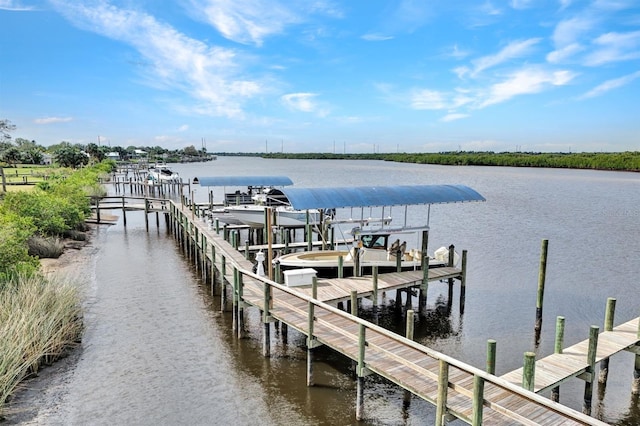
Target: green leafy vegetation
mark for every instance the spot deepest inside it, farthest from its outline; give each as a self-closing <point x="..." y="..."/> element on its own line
<point x="40" y="318"/>
<point x="621" y="161"/>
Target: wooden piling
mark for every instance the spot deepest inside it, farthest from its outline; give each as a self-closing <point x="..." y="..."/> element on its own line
<point x="608" y="326"/>
<point x="591" y="360"/>
<point x="443" y="385"/>
<point x="361" y="372"/>
<point x="478" y="400"/>
<point x="529" y="371"/>
<point x="635" y="387"/>
<point x="409" y="328"/>
<point x="541" y="281"/>
<point x="559" y="344"/>
<point x="491" y="356"/>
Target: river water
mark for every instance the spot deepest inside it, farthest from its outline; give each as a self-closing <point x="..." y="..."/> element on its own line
<point x="157" y="350"/>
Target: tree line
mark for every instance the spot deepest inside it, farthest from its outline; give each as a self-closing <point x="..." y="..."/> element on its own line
<point x="65" y="154"/>
<point x="620" y="161"/>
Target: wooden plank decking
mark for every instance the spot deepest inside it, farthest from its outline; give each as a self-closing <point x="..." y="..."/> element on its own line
<point x="402" y="361"/>
<point x="572" y="362"/>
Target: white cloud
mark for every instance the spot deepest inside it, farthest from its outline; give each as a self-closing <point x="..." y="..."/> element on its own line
<point x="611" y="85"/>
<point x="14" y="5"/>
<point x="520" y="4"/>
<point x="526" y="81"/>
<point x="210" y="74"/>
<point x="453" y="117"/>
<point x="427" y="99"/>
<point x="376" y="37"/>
<point x="569" y="31"/>
<point x="245" y="21"/>
<point x="513" y="50"/>
<point x="183" y="128"/>
<point x="52" y="120"/>
<point x="614" y="47"/>
<point x="564" y="54"/>
<point x="304" y="102"/>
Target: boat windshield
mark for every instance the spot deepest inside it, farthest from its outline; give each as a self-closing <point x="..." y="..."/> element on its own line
<point x="374" y="241"/>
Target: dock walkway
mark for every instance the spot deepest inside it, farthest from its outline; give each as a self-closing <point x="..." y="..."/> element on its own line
<point x="557" y="368"/>
<point x="456" y="389"/>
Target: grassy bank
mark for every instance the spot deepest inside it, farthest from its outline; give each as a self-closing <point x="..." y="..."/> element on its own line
<point x="620" y="161"/>
<point x="40" y="320"/>
<point x="40" y="317"/>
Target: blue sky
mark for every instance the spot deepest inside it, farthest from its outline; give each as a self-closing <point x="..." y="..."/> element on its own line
<point x="324" y="76"/>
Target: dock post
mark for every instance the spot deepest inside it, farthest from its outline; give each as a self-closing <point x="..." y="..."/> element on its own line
<point x="223" y="286"/>
<point x="308" y="235"/>
<point x="246" y="249"/>
<point x="406" y="400"/>
<point x="555" y="392"/>
<point x="311" y="341"/>
<point x="354" y="302"/>
<point x="635" y="387"/>
<point x="374" y="272"/>
<point x="443" y="384"/>
<point x="124" y="213"/>
<point x="541" y="280"/>
<point x="240" y="307"/>
<point x="146" y="214"/>
<point x="591" y="360"/>
<point x="608" y="326"/>
<point x="491" y="356"/>
<point x="98" y="209"/>
<point x="340" y="266"/>
<point x="529" y="371"/>
<point x="463" y="281"/>
<point x="266" y="329"/>
<point x="213" y="269"/>
<point x="361" y="373"/>
<point x="234" y="299"/>
<point x="424" y="285"/>
<point x="478" y="398"/>
<point x="287" y="237"/>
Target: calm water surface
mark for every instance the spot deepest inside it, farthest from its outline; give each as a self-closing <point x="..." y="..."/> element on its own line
<point x="158" y="351"/>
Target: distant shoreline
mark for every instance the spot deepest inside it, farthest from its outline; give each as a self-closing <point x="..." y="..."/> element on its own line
<point x="628" y="161"/>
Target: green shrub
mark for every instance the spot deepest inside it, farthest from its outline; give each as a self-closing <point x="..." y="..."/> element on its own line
<point x="45" y="247"/>
<point x="14" y="253"/>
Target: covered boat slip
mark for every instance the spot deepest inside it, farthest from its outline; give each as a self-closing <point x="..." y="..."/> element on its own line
<point x="250" y="182"/>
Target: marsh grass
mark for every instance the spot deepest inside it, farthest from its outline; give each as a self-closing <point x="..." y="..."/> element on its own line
<point x="40" y="321"/>
<point x="45" y="247"/>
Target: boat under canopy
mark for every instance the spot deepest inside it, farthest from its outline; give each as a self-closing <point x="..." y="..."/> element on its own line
<point x="376" y="196"/>
<point x="243" y="181"/>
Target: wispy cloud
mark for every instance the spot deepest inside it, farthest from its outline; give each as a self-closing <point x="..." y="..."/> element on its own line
<point x="453" y="117"/>
<point x="15" y="5"/>
<point x="245" y="21"/>
<point x="611" y="85"/>
<point x="428" y="99"/>
<point x="183" y="128"/>
<point x="305" y="102"/>
<point x="526" y="81"/>
<point x="520" y="4"/>
<point x="376" y="37"/>
<point x="614" y="47"/>
<point x="210" y="74"/>
<point x="52" y="120"/>
<point x="513" y="50"/>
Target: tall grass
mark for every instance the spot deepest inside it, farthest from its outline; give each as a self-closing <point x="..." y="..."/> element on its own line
<point x="40" y="320"/>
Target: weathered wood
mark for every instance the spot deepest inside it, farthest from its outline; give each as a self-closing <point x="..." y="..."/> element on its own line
<point x="559" y="343"/>
<point x="541" y="281"/>
<point x="529" y="369"/>
<point x="491" y="356"/>
<point x="404" y="362"/>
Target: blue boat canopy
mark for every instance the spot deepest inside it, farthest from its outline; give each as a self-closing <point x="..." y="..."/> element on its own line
<point x="243" y="181"/>
<point x="376" y="196"/>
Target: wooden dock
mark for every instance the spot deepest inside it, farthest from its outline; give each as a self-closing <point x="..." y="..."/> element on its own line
<point x="456" y="389"/>
<point x="573" y="361"/>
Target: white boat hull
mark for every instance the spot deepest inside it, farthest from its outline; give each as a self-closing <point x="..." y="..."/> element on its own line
<point x="254" y="216"/>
